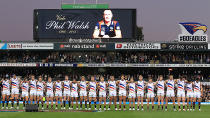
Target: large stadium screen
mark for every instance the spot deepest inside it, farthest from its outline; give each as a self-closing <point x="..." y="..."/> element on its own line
<point x="84" y="24"/>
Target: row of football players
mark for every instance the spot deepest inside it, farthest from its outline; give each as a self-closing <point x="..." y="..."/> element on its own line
<point x="67" y="91"/>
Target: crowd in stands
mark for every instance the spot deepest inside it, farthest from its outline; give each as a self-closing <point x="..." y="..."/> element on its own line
<point x="149" y="57"/>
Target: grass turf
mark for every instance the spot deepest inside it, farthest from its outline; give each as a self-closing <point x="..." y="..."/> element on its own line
<point x="205" y="113"/>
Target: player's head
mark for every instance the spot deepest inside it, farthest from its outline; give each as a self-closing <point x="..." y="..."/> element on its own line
<point x="49" y="79"/>
<point x="58" y="80"/>
<point x="14" y="76"/>
<point x="160" y="77"/>
<point x="171" y="77"/>
<point x="66" y="77"/>
<point x="140" y="77"/>
<point x="32" y="77"/>
<point x="183" y="77"/>
<point x="25" y="80"/>
<point x="122" y="77"/>
<point x="107" y="15"/>
<point x="150" y="79"/>
<point x="92" y="78"/>
<point x="101" y="78"/>
<point x="132" y="79"/>
<point x="74" y="80"/>
<point x="197" y="78"/>
<point x="83" y="78"/>
<point x="40" y="78"/>
<point x="112" y="78"/>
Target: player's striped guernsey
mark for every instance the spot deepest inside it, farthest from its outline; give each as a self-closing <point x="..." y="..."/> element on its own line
<point x="49" y="87"/>
<point x="6" y="85"/>
<point x="58" y="86"/>
<point x="170" y="85"/>
<point x="92" y="86"/>
<point x="66" y="85"/>
<point x="25" y="87"/>
<point x="181" y="85"/>
<point x="140" y="86"/>
<point x="102" y="86"/>
<point x="132" y="87"/>
<point x="112" y="86"/>
<point x="160" y="86"/>
<point x="40" y="86"/>
<point x="150" y="87"/>
<point x="74" y="87"/>
<point x="32" y="85"/>
<point x="197" y="86"/>
<point x="15" y="83"/>
<point x="83" y="86"/>
<point x="189" y="87"/>
<point x="122" y="85"/>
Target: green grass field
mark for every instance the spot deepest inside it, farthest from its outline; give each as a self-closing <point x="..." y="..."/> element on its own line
<point x="205" y="113"/>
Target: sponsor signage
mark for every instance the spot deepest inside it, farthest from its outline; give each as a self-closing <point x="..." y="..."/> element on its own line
<point x="84" y="46"/>
<point x="85" y="6"/>
<point x="184" y="46"/>
<point x="193" y="32"/>
<point x="30" y="46"/>
<point x="17" y="64"/>
<point x="137" y="46"/>
<point x="3" y="46"/>
<point x="106" y="46"/>
<point x="98" y="65"/>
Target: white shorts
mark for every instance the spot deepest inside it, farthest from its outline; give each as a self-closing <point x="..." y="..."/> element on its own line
<point x="197" y="94"/>
<point x="58" y="93"/>
<point x="150" y="95"/>
<point x="140" y="93"/>
<point x="74" y="94"/>
<point x="132" y="95"/>
<point x="122" y="93"/>
<point x="92" y="94"/>
<point x="102" y="94"/>
<point x="83" y="93"/>
<point x="49" y="94"/>
<point x="66" y="93"/>
<point x="39" y="93"/>
<point x="170" y="93"/>
<point x="112" y="93"/>
<point x="32" y="92"/>
<point x="160" y="93"/>
<point x="180" y="94"/>
<point x="24" y="94"/>
<point x="15" y="91"/>
<point x="6" y="92"/>
<point x="190" y="94"/>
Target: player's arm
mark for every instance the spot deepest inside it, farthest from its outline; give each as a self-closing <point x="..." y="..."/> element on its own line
<point x="45" y="88"/>
<point x="118" y="34"/>
<point x="155" y="83"/>
<point x="201" y="90"/>
<point x="21" y="82"/>
<point x="54" y="86"/>
<point x="117" y="31"/>
<point x="96" y="31"/>
<point x="165" y="82"/>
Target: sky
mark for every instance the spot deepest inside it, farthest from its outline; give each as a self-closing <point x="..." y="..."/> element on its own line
<point x="159" y="18"/>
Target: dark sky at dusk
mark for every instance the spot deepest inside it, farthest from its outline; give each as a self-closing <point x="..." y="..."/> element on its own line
<point x="159" y="18"/>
